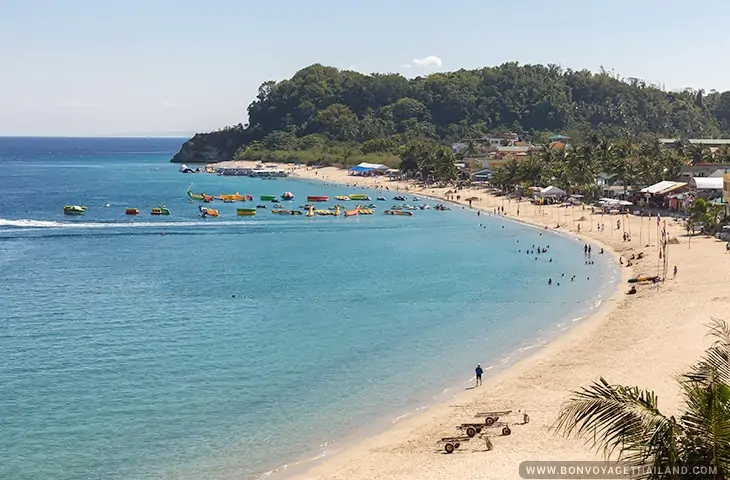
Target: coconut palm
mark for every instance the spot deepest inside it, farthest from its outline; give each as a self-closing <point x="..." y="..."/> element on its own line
<point x="627" y="425"/>
<point x="707" y="214"/>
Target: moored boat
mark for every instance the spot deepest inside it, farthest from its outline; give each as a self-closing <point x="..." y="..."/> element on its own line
<point x="318" y="198"/>
<point x="381" y="198"/>
<point x="208" y="212"/>
<point x="281" y="211"/>
<point x="287" y="196"/>
<point x="161" y="210"/>
<point x="132" y="211"/>
<point x="353" y="212"/>
<point x="267" y="198"/>
<point x="398" y="212"/>
<point x="342" y="198"/>
<point x="245" y="212"/>
<point x="358" y="196"/>
<point x="194" y="196"/>
<point x="74" y="209"/>
<point x="310" y="213"/>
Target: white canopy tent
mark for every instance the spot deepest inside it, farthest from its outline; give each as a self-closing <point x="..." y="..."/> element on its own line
<point x="373" y="166"/>
<point x="552" y="191"/>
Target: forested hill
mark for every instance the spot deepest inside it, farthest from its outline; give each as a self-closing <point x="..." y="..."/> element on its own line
<point x="323" y="106"/>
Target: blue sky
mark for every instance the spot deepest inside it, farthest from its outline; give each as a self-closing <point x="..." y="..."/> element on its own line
<point x="163" y="67"/>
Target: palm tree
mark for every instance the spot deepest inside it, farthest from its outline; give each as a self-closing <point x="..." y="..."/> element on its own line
<point x="627" y="425"/>
<point x="707" y="214"/>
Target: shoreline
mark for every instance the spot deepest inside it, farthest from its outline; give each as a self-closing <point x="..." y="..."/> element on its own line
<point x="633" y="340"/>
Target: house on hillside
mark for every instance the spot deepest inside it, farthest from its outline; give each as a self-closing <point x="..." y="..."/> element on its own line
<point x="564" y="139"/>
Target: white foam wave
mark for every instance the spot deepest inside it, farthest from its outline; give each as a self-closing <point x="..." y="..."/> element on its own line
<point x="29" y="223"/>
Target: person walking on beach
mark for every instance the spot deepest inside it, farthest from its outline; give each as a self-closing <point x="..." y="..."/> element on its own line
<point x="479" y="372"/>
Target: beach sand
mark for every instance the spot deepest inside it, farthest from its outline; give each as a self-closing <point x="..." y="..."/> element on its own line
<point x="644" y="339"/>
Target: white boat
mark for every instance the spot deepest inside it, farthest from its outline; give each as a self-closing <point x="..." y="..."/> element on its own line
<point x="268" y="173"/>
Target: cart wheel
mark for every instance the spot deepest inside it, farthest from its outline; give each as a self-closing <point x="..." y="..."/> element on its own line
<point x="457" y="445"/>
<point x="506" y="431"/>
<point x="449" y="448"/>
<point x="471" y="431"/>
<point x="490" y="420"/>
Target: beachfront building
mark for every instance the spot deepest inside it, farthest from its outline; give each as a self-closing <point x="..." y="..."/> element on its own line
<point x="706" y="187"/>
<point x="658" y="195"/>
<point x="703" y="170"/>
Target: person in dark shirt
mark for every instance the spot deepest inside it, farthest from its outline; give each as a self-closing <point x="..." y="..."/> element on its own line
<point x="479" y="372"/>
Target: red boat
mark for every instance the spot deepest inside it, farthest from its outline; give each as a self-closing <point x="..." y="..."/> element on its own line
<point x="318" y="198"/>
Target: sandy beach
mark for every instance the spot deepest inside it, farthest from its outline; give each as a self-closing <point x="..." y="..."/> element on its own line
<point x="643" y="339"/>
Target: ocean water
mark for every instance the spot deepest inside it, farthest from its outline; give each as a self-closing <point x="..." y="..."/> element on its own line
<point x="230" y="346"/>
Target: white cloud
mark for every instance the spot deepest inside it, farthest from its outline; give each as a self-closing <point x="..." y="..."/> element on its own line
<point x="425" y="62"/>
<point x="352" y="68"/>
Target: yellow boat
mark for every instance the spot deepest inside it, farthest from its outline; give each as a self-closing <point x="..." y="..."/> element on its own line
<point x="365" y="211"/>
<point x="342" y="198"/>
<point x="324" y="212"/>
<point x="281" y="211"/>
<point x="310" y="213"/>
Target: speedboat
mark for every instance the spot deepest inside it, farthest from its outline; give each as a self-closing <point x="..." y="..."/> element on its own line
<point x="381" y="198"/>
<point x="342" y="198"/>
<point x="397" y="212"/>
<point x="416" y="199"/>
<point x="132" y="211"/>
<point x="424" y="206"/>
<point x="400" y="198"/>
<point x="74" y="209"/>
<point x="260" y="206"/>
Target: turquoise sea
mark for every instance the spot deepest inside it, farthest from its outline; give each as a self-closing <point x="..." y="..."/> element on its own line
<point x="230" y="346"/>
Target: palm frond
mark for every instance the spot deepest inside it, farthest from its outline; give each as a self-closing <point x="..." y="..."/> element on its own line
<point x="619" y="418"/>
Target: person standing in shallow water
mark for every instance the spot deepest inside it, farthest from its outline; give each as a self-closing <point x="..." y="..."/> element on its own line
<point x="479" y="372"/>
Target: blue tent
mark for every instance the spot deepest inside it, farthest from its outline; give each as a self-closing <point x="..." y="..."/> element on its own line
<point x="361" y="169"/>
